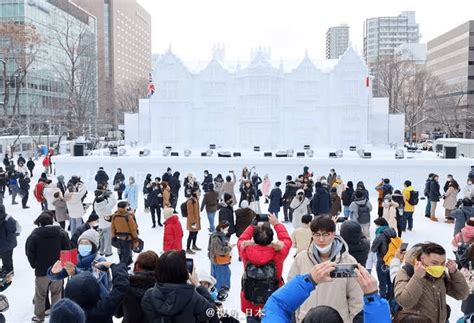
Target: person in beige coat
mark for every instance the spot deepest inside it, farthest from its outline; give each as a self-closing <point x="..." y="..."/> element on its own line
<point x="450" y="200"/>
<point x="193" y="222"/>
<point x="228" y="187"/>
<point x="390" y="211"/>
<point x="301" y="237"/>
<point x="343" y="294"/>
<point x="422" y="287"/>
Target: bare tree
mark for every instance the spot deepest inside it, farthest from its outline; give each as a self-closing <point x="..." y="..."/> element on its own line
<point x="449" y="110"/>
<point x="390" y="74"/>
<point x="78" y="71"/>
<point x="129" y="93"/>
<point x="414" y="94"/>
<point x="19" y="46"/>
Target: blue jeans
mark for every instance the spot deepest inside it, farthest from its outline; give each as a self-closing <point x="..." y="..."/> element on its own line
<point x="383" y="274"/>
<point x="406" y="218"/>
<point x="347" y="213"/>
<point x="222" y="275"/>
<point x="210" y="217"/>
<point x="74" y="224"/>
<point x="428" y="208"/>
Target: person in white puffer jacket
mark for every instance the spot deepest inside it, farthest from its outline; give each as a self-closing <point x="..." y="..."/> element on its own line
<point x="48" y="192"/>
<point x="73" y="198"/>
<point x="104" y="203"/>
<point x="299" y="205"/>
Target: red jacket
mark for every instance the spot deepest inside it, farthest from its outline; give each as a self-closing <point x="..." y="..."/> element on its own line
<point x="38" y="191"/>
<point x="260" y="255"/>
<point x="173" y="236"/>
<point x="46" y="161"/>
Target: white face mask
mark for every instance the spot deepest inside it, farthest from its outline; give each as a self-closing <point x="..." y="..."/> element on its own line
<point x="324" y="250"/>
<point x="225" y="231"/>
<point x="469" y="183"/>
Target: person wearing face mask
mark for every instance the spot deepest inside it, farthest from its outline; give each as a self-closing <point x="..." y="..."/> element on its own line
<point x="87" y="257"/>
<point x="468" y="190"/>
<point x="343" y="294"/>
<point x="92" y="223"/>
<point x="299" y="205"/>
<point x="220" y="254"/>
<point x="422" y="286"/>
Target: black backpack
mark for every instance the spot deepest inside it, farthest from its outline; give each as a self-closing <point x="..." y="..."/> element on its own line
<point x="184" y="210"/>
<point x="413" y="200"/>
<point x="364" y="213"/>
<point x="259" y="282"/>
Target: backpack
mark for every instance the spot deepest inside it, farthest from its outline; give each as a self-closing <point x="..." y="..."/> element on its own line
<point x="184" y="210"/>
<point x="393" y="246"/>
<point x="364" y="213"/>
<point x="259" y="282"/>
<point x="18" y="226"/>
<point x="413" y="200"/>
<point x="386" y="190"/>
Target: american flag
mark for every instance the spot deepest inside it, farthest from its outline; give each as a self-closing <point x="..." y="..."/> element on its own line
<point x="151" y="87"/>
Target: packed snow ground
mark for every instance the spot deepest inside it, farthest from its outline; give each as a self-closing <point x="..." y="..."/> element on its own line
<point x="20" y="294"/>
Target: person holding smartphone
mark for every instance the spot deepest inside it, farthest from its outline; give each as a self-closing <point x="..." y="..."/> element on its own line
<point x="173" y="297"/>
<point x="343" y="295"/>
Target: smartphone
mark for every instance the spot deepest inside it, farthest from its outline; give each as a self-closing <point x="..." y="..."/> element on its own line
<point x="404" y="247"/>
<point x="262" y="218"/>
<point x="190" y="265"/>
<point x="100" y="267"/>
<point x="344" y="271"/>
<point x="68" y="256"/>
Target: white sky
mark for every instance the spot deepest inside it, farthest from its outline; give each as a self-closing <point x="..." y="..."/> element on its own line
<point x="289" y="27"/>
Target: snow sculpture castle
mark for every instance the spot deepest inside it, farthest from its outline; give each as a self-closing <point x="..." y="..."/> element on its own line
<point x="327" y="104"/>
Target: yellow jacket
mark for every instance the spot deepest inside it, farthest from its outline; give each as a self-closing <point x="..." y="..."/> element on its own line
<point x="406" y="196"/>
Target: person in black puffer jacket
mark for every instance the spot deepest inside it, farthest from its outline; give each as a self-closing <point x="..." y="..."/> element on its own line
<point x="359" y="245"/>
<point x="43" y="247"/>
<point x="84" y="289"/>
<point x="346" y="198"/>
<point x="226" y="213"/>
<point x="143" y="278"/>
<point x="173" y="299"/>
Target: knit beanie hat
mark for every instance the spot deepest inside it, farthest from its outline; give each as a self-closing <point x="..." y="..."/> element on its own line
<point x="205" y="277"/>
<point x="67" y="311"/>
<point x="92" y="236"/>
<point x="167" y="213"/>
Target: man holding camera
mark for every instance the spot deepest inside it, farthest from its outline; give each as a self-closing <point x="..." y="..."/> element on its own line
<point x="343" y="294"/>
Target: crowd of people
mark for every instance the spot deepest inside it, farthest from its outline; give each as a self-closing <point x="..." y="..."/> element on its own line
<point x="327" y="221"/>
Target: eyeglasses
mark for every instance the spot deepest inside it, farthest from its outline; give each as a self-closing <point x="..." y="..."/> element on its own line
<point x="319" y="235"/>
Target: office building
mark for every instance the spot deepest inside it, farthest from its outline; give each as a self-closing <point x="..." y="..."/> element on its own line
<point x="450" y="57"/>
<point x="124" y="51"/>
<point x="39" y="77"/>
<point x="337" y="41"/>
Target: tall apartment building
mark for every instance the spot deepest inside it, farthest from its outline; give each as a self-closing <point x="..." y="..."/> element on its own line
<point x="124" y="50"/>
<point x="450" y="57"/>
<point x="337" y="41"/>
<point x="382" y="35"/>
<point x="39" y="80"/>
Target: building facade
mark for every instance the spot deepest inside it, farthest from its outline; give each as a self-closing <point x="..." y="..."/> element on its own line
<point x="124" y="51"/>
<point x="38" y="79"/>
<point x="337" y="41"/>
<point x="450" y="57"/>
<point x="236" y="105"/>
<point x="382" y="35"/>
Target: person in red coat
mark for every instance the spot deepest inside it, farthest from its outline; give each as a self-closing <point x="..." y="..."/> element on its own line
<point x="256" y="246"/>
<point x="46" y="163"/>
<point x="38" y="193"/>
<point x="173" y="236"/>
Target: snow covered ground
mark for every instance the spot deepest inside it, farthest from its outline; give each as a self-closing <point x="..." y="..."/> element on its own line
<point x="351" y="167"/>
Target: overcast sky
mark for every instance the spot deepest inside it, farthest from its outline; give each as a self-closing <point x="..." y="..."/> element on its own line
<point x="287" y="26"/>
